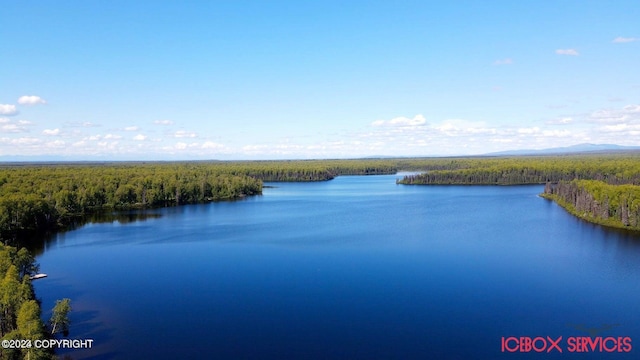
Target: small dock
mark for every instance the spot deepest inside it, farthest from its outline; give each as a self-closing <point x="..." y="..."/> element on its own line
<point x="38" y="276"/>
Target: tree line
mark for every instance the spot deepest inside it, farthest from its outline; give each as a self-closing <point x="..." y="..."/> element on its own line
<point x="613" y="169"/>
<point x="598" y="202"/>
<point x="20" y="311"/>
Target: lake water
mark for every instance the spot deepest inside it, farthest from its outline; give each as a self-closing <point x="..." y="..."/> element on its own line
<point x="353" y="268"/>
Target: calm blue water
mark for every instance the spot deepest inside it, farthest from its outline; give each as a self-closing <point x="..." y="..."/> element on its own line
<point x="353" y="268"/>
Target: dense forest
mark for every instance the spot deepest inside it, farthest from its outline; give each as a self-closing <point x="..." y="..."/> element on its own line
<point x="598" y="202"/>
<point x="613" y="169"/>
<point x="308" y="170"/>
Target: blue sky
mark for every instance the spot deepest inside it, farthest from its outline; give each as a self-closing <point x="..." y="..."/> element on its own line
<point x="332" y="79"/>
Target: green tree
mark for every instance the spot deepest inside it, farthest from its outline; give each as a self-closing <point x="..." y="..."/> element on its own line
<point x="60" y="319"/>
<point x="31" y="328"/>
<point x="26" y="263"/>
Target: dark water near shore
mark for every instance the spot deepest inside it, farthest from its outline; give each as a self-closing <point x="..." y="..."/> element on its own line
<point x="353" y="268"/>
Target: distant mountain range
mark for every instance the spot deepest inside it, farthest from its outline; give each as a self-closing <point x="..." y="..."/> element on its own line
<point x="579" y="148"/>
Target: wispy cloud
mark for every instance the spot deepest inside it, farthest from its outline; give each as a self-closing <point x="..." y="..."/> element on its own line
<point x="163" y="122"/>
<point x="621" y="128"/>
<point x="23" y="141"/>
<point x="8" y="110"/>
<point x="184" y="134"/>
<point x="212" y="145"/>
<point x="55" y="144"/>
<point x="51" y="132"/>
<point x="417" y="120"/>
<point x="571" y="52"/>
<point x="82" y="124"/>
<point x="180" y="146"/>
<point x="621" y="39"/>
<point x="455" y="127"/>
<point x="31" y="100"/>
<point x="528" y="131"/>
<point x="507" y="61"/>
<point x="560" y="121"/>
<point x="10" y="126"/>
<point x="397" y="136"/>
<point x="629" y="113"/>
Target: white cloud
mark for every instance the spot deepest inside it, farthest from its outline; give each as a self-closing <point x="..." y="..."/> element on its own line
<point x="417" y="120"/>
<point x="400" y="136"/>
<point x="621" y="39"/>
<point x="12" y="128"/>
<point x="8" y="110"/>
<point x="50" y="132"/>
<point x="86" y="124"/>
<point x="184" y="134"/>
<point x="254" y="148"/>
<point x="502" y="140"/>
<point x="629" y="129"/>
<point x="456" y="127"/>
<point x="556" y="133"/>
<point x="284" y="150"/>
<point x="619" y="127"/>
<point x="507" y="61"/>
<point x="111" y="146"/>
<point x="31" y="100"/>
<point x="21" y="141"/>
<point x="610" y="116"/>
<point x="560" y="121"/>
<point x="212" y="145"/>
<point x="55" y="144"/>
<point x="163" y="122"/>
<point x="572" y="52"/>
<point x="528" y="131"/>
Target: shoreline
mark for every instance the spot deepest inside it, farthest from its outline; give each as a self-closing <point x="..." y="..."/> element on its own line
<point x="609" y="223"/>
